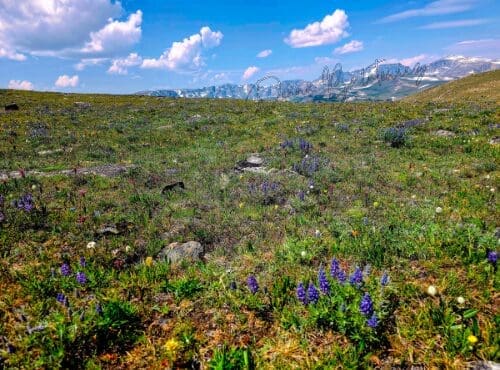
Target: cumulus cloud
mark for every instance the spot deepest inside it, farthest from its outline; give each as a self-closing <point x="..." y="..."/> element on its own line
<point x="439" y="7"/>
<point x="115" y="36"/>
<point x="249" y="72"/>
<point x="20" y="85"/>
<point x="65" y="27"/>
<point x="350" y="47"/>
<point x="120" y="66"/>
<point x="328" y="31"/>
<point x="186" y="54"/>
<point x="264" y="53"/>
<point x="67" y="81"/>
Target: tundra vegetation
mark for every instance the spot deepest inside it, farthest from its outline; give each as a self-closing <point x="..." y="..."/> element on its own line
<point x="339" y="235"/>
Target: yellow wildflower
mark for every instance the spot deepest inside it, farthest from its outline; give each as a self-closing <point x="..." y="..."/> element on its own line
<point x="472" y="339"/>
<point x="172" y="346"/>
<point x="149" y="261"/>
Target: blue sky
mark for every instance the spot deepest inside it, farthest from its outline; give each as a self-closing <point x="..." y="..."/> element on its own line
<point x="123" y="47"/>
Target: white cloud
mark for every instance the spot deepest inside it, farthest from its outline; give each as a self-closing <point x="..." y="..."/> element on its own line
<point x="325" y="60"/>
<point x="454" y="24"/>
<point x="9" y="54"/>
<point x="121" y="66"/>
<point x="209" y="38"/>
<point x="65" y="27"/>
<point x="411" y="61"/>
<point x="350" y="47"/>
<point x="330" y="30"/>
<point x="67" y="81"/>
<point x="186" y="54"/>
<point x="88" y="62"/>
<point x="264" y="53"/>
<point x="481" y="47"/>
<point x="249" y="72"/>
<point x="20" y="85"/>
<point x="439" y="7"/>
<point x="115" y="36"/>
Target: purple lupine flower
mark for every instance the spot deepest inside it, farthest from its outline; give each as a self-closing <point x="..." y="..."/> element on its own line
<point x="301" y="294"/>
<point x="83" y="261"/>
<point x="301" y="195"/>
<point x="98" y="309"/>
<point x="324" y="285"/>
<point x="252" y="284"/>
<point x="334" y="268"/>
<point x="61" y="298"/>
<point x="372" y="322"/>
<point x="25" y="203"/>
<point x="312" y="293"/>
<point x="366" y="305"/>
<point x="81" y="278"/>
<point x="2" y="200"/>
<point x="357" y="277"/>
<point x="493" y="257"/>
<point x="384" y="280"/>
<point x="341" y="276"/>
<point x="65" y="269"/>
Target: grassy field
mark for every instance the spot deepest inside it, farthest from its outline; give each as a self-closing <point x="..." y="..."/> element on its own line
<point x="369" y="239"/>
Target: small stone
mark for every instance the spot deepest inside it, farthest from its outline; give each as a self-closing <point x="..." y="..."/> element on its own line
<point x="444" y="133"/>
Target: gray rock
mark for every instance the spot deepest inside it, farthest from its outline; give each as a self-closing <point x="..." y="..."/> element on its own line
<point x="444" y="133"/>
<point x="254" y="161"/>
<point x="108" y="230"/>
<point x="495" y="140"/>
<point x="177" y="252"/>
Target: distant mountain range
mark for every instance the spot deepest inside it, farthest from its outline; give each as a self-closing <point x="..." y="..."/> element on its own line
<point x="379" y="81"/>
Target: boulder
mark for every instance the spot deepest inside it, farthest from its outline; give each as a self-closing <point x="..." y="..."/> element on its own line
<point x="178" y="252"/>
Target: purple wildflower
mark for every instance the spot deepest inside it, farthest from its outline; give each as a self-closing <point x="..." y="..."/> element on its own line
<point x="341" y="276"/>
<point x="83" y="262"/>
<point x="301" y="195"/>
<point x="334" y="268"/>
<point x="2" y="200"/>
<point x="493" y="257"/>
<point x="301" y="294"/>
<point x="61" y="298"/>
<point x="65" y="269"/>
<point x="81" y="278"/>
<point x="98" y="309"/>
<point x="366" y="305"/>
<point x="312" y="293"/>
<point x="384" y="280"/>
<point x="252" y="284"/>
<point x="324" y="285"/>
<point x="357" y="277"/>
<point x="25" y="203"/>
<point x="372" y="322"/>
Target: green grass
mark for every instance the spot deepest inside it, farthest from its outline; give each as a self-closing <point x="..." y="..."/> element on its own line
<point x="366" y="194"/>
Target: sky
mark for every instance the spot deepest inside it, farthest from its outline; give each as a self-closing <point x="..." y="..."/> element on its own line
<point x="107" y="46"/>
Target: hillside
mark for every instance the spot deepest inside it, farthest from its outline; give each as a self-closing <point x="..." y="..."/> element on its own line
<point x="478" y="87"/>
<point x="146" y="232"/>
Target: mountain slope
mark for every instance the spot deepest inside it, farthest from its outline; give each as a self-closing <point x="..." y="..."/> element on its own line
<point x="478" y="87"/>
<point x="378" y="81"/>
